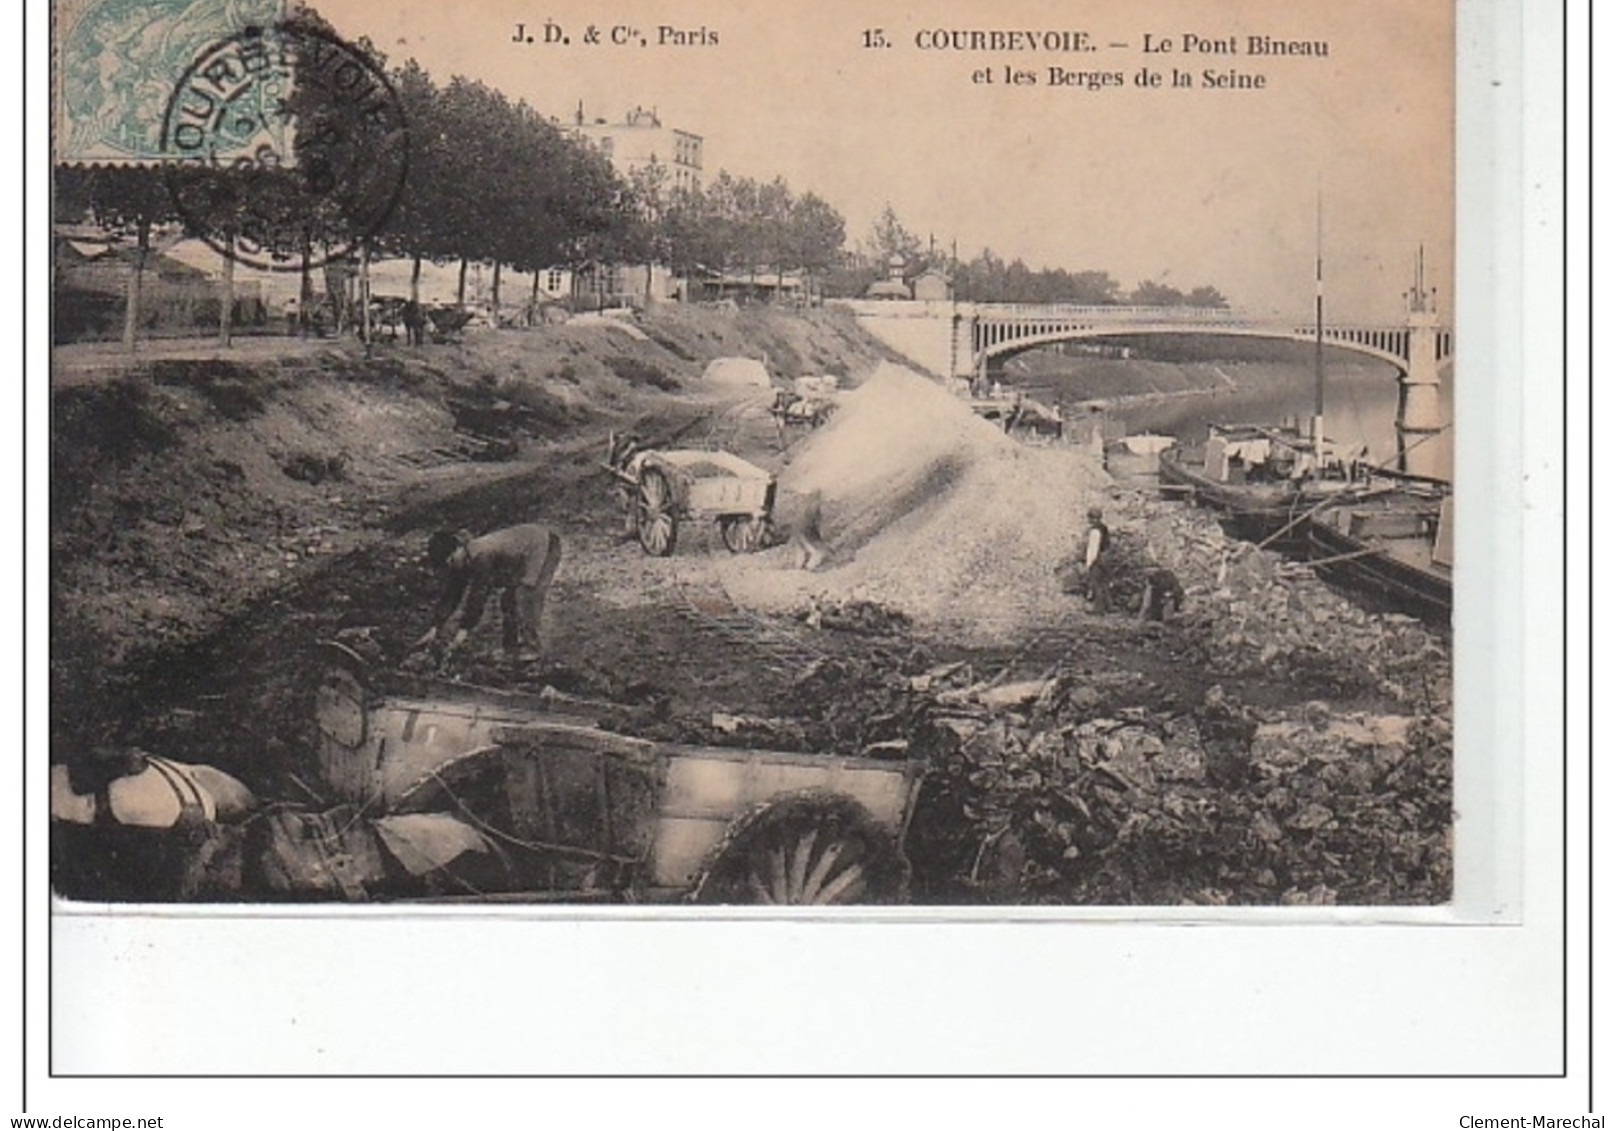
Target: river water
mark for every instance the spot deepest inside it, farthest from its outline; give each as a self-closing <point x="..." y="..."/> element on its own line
<point x="1360" y="398"/>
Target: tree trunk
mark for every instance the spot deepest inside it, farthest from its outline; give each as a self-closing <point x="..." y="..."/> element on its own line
<point x="459" y="300"/>
<point x="305" y="287"/>
<point x="131" y="306"/>
<point x="227" y="292"/>
<point x="496" y="266"/>
<point x="415" y="280"/>
<point x="364" y="291"/>
<point x="533" y="318"/>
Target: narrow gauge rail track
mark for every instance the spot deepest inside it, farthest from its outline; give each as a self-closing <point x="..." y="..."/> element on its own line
<point x="713" y="613"/>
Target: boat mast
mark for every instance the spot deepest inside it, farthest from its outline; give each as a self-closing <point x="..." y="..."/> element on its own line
<point x="1317" y="342"/>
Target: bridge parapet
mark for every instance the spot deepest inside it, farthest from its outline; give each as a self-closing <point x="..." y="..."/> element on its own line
<point x="958" y="338"/>
<point x="1059" y="312"/>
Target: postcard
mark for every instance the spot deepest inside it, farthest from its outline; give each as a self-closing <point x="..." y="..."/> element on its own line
<point x="830" y="456"/>
<point x="784" y="513"/>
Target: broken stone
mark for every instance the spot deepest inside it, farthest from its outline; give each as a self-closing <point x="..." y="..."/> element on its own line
<point x="1313" y="816"/>
<point x="1014" y="694"/>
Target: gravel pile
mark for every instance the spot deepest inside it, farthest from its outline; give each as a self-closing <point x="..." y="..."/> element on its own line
<point x="933" y="511"/>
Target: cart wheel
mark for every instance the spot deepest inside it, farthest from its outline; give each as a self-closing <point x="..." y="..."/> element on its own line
<point x="655" y="520"/>
<point x="813" y="849"/>
<point x="742" y="535"/>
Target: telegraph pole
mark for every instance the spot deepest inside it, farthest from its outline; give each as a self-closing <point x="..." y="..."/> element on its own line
<point x="1317" y="341"/>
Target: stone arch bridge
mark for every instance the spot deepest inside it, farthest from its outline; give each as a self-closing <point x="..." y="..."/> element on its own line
<point x="964" y="340"/>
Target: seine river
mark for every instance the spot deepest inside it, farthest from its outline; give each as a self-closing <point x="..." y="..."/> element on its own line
<point x="1360" y="395"/>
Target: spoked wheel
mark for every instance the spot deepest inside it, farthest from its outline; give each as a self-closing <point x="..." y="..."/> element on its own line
<point x="810" y="850"/>
<point x="654" y="519"/>
<point x="742" y="535"/>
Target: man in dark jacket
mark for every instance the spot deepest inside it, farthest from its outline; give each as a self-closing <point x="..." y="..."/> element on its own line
<point x="520" y="561"/>
<point x="1096" y="561"/>
<point x="415" y="323"/>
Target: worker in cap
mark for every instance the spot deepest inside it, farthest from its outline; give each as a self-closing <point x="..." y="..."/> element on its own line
<point x="519" y="561"/>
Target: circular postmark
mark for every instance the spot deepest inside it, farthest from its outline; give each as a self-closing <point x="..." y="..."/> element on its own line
<point x="284" y="147"/>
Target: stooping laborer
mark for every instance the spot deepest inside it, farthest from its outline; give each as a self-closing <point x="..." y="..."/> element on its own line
<point x="1163" y="595"/>
<point x="519" y="561"/>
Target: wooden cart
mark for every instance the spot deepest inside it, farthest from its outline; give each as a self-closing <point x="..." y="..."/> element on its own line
<point x="667" y="488"/>
<point x="798" y="411"/>
<point x="589" y="814"/>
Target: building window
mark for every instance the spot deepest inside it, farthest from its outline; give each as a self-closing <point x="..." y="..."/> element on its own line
<point x="606" y="280"/>
<point x="553" y="281"/>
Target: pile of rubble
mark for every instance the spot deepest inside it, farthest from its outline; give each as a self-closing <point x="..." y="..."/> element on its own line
<point x="1047" y="793"/>
<point x="861" y="618"/>
<point x="1252" y="611"/>
<point x="1087" y="788"/>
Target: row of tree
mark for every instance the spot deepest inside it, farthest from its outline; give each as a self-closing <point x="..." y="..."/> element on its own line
<point x="488" y="180"/>
<point x="735" y="225"/>
<point x="988" y="278"/>
<point x="494" y="181"/>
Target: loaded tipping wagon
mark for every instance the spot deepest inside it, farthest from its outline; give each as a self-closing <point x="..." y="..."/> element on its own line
<point x="665" y="488"/>
<point x="580" y="812"/>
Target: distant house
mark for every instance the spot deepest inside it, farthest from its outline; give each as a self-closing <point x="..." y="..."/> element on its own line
<point x="91" y="279"/>
<point x="640" y="139"/>
<point x="746" y="287"/>
<point x="635" y="142"/>
<point x="892" y="286"/>
<point x="598" y="284"/>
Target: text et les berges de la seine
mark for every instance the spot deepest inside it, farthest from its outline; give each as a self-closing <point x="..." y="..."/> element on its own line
<point x="1169" y="60"/>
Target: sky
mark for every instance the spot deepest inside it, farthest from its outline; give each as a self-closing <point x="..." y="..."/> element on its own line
<point x="1181" y="186"/>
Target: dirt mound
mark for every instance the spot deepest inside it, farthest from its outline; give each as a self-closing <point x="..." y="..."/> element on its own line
<point x="932" y="510"/>
<point x="736" y="373"/>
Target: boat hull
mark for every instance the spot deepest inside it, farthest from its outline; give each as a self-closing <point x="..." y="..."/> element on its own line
<point x="1254" y="511"/>
<point x="1369" y="567"/>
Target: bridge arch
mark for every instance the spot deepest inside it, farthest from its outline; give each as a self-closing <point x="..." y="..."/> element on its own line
<point x="1387" y="345"/>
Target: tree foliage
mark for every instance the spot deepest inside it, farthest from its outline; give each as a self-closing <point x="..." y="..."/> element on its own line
<point x="736" y="225"/>
<point x="1149" y="293"/>
<point x="495" y="181"/>
<point x="989" y="278"/>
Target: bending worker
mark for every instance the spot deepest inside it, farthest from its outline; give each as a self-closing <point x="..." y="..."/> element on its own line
<point x="520" y="561"/>
<point x="1163" y="595"/>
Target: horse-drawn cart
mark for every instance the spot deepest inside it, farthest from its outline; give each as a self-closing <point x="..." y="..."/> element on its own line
<point x="583" y="813"/>
<point x="800" y="411"/>
<point x="666" y="488"/>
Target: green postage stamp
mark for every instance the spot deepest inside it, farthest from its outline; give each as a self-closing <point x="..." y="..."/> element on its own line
<point x="118" y="61"/>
